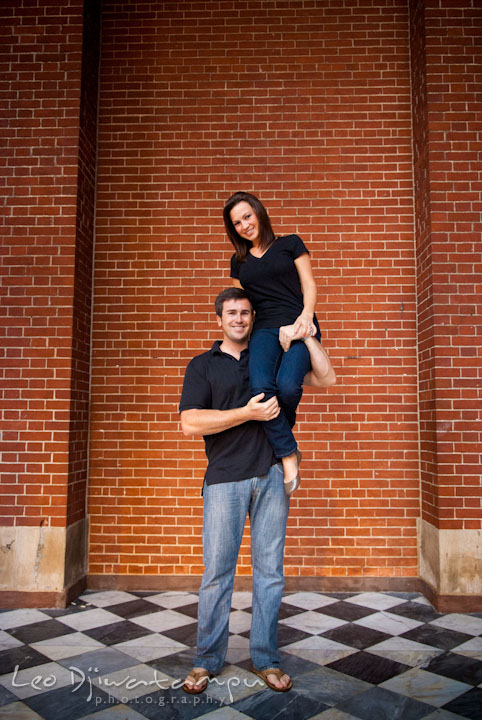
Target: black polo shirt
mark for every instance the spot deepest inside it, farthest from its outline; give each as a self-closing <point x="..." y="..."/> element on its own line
<point x="217" y="381"/>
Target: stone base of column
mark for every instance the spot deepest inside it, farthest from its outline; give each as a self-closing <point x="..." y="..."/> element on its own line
<point x="42" y="566"/>
<point x="450" y="568"/>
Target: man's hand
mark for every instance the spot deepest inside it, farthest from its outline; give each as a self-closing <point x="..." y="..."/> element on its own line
<point x="263" y="410"/>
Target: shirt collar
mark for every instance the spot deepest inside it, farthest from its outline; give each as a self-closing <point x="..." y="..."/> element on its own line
<point x="216" y="349"/>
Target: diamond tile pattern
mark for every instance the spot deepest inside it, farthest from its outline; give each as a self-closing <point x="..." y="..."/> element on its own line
<point x="352" y="656"/>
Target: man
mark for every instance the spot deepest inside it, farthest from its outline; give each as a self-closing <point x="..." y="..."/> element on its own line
<point x="243" y="478"/>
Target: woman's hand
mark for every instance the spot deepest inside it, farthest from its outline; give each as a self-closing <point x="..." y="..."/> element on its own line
<point x="303" y="326"/>
<point x="287" y="335"/>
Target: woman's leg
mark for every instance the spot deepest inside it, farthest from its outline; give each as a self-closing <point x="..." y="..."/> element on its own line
<point x="265" y="357"/>
<point x="295" y="364"/>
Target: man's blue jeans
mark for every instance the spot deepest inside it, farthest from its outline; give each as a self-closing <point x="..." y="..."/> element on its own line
<point x="275" y="372"/>
<point x="226" y="506"/>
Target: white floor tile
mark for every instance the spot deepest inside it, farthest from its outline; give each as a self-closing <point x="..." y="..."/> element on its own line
<point x="426" y="687"/>
<point x="312" y="622"/>
<point x="7" y="642"/>
<point x="225" y="713"/>
<point x="117" y="712"/>
<point x="319" y="650"/>
<point x="234" y="684"/>
<point x="36" y="680"/>
<point x="18" y="618"/>
<point x="376" y="601"/>
<point x="150" y="647"/>
<point x="460" y="623"/>
<point x="388" y="623"/>
<point x="18" y="711"/>
<point x="133" y="682"/>
<point x="309" y="600"/>
<point x="89" y="619"/>
<point x="472" y="648"/>
<point x="66" y="646"/>
<point x="173" y="599"/>
<point x="239" y="621"/>
<point x="405" y="651"/>
<point x="241" y="600"/>
<point x="238" y="649"/>
<point x="103" y="598"/>
<point x="162" y="620"/>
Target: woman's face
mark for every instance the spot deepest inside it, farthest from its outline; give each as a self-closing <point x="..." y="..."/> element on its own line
<point x="245" y="221"/>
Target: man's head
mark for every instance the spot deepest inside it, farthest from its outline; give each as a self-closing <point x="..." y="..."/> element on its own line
<point x="234" y="314"/>
<point x="232" y="293"/>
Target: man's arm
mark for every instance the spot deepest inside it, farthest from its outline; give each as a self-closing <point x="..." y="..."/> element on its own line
<point x="321" y="373"/>
<point x="208" y="422"/>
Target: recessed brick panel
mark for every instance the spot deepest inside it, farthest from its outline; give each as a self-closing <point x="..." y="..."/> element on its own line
<point x="307" y="105"/>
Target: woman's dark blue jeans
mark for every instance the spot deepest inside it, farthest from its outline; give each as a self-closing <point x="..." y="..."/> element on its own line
<point x="275" y="372"/>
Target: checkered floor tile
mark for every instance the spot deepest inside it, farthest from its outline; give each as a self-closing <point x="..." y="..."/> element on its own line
<point x="352" y="656"/>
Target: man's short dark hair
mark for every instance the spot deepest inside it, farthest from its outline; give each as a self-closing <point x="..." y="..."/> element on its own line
<point x="232" y="293"/>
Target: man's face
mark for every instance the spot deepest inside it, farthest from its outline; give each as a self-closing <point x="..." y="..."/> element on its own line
<point x="237" y="320"/>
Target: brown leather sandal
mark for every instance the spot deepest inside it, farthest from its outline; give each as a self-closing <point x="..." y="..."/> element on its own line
<point x="263" y="674"/>
<point x="197" y="675"/>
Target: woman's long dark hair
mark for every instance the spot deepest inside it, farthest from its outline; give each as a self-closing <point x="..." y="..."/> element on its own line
<point x="266" y="233"/>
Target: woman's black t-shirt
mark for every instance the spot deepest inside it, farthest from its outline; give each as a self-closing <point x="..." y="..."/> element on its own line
<point x="272" y="282"/>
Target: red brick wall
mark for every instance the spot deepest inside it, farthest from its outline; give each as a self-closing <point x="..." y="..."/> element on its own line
<point x="40" y="71"/>
<point x="448" y="174"/>
<point x="306" y="104"/>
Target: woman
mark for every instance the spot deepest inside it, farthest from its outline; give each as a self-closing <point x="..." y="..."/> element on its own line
<point x="277" y="274"/>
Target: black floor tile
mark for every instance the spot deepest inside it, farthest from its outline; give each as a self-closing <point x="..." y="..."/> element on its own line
<point x="345" y="611"/>
<point x="133" y="608"/>
<point x="457" y="667"/>
<point x="289" y="663"/>
<point x="66" y="704"/>
<point x="341" y="595"/>
<point x="6" y="697"/>
<point x="367" y="667"/>
<point x="185" y="634"/>
<point x="144" y="593"/>
<point x="436" y="636"/>
<point x="43" y="630"/>
<point x="286" y="610"/>
<point x="282" y="706"/>
<point x="468" y="705"/>
<point x="71" y="609"/>
<point x="402" y="595"/>
<point x="118" y="632"/>
<point x="381" y="704"/>
<point x="190" y="610"/>
<point x="356" y="636"/>
<point x="176" y="665"/>
<point x="23" y="656"/>
<point x="416" y="611"/>
<point x="287" y="635"/>
<point x="174" y="705"/>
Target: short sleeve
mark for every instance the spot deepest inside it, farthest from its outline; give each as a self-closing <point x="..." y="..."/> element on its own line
<point x="196" y="390"/>
<point x="298" y="247"/>
<point x="234" y="268"/>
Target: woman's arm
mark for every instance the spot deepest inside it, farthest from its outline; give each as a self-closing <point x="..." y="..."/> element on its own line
<point x="236" y="283"/>
<point x="304" y="322"/>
